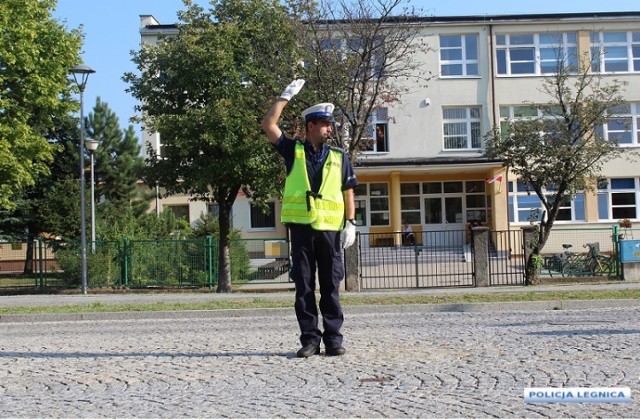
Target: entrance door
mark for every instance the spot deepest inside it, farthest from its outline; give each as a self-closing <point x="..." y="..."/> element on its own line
<point x="453" y="213"/>
<point x="443" y="215"/>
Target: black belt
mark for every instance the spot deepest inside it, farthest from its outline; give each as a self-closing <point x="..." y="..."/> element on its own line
<point x="314" y="195"/>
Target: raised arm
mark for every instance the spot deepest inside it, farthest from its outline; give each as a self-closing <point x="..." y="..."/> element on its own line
<point x="270" y="121"/>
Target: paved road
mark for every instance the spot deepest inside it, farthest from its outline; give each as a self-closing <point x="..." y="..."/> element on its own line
<point x="404" y="361"/>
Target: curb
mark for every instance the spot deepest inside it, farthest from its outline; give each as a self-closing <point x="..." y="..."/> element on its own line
<point x="550" y="305"/>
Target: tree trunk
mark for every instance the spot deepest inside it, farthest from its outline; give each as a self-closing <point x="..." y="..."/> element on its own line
<point x="532" y="272"/>
<point x="28" y="259"/>
<point x="224" y="260"/>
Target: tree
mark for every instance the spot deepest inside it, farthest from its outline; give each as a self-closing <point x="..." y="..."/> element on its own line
<point x="35" y="54"/>
<point x="52" y="204"/>
<point x="362" y="57"/>
<point x="117" y="160"/>
<point x="205" y="90"/>
<point x="561" y="152"/>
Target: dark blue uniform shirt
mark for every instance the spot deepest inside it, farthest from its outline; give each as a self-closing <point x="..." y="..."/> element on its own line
<point x="286" y="147"/>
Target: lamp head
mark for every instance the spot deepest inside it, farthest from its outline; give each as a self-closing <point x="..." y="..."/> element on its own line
<point x="91" y="144"/>
<point x="82" y="71"/>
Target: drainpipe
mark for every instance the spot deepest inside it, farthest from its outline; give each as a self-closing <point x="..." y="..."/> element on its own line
<point x="492" y="76"/>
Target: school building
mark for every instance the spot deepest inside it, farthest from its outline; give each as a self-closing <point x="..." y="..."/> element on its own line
<point x="427" y="164"/>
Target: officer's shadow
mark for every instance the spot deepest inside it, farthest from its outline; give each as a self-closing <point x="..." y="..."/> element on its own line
<point x="169" y="355"/>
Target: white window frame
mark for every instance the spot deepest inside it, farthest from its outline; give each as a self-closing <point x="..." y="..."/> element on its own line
<point x="469" y="122"/>
<point x="272" y="205"/>
<point x="382" y="212"/>
<point x="601" y="47"/>
<point x="505" y="46"/>
<point x="510" y="113"/>
<point x="379" y="119"/>
<point x="607" y="191"/>
<point x="515" y="192"/>
<point x="404" y="211"/>
<point x="464" y="61"/>
<point x="480" y="192"/>
<point x="630" y="117"/>
<point x="180" y="208"/>
<point x="361" y="202"/>
<point x="345" y="47"/>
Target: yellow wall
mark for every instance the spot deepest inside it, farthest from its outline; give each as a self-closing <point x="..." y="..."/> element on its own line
<point x="496" y="192"/>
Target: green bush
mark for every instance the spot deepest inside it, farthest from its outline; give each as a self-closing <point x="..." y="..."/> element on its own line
<point x="208" y="225"/>
<point x="68" y="260"/>
<point x="162" y="251"/>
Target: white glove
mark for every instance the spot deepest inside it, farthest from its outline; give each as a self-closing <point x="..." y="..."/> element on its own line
<point x="348" y="235"/>
<point x="293" y="89"/>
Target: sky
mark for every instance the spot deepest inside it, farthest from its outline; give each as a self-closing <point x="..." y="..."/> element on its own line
<point x="112" y="30"/>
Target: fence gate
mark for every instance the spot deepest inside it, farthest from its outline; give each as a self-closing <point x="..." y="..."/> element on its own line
<point x="436" y="259"/>
<point x="506" y="258"/>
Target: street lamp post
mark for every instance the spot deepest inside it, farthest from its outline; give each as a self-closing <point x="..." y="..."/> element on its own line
<point x="91" y="146"/>
<point x="80" y="74"/>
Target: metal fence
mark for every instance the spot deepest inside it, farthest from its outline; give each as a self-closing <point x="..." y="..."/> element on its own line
<point x="448" y="258"/>
<point x="437" y="259"/>
<point x="141" y="263"/>
<point x="168" y="263"/>
<point x="576" y="240"/>
<point x="506" y="258"/>
<point x="17" y="258"/>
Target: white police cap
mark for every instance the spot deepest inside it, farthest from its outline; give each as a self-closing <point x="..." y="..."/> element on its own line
<point x="323" y="111"/>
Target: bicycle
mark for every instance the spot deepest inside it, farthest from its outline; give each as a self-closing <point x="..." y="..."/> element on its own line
<point x="591" y="263"/>
<point x="597" y="263"/>
<point x="560" y="263"/>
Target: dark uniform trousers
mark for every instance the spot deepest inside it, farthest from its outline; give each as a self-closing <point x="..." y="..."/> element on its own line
<point x="311" y="249"/>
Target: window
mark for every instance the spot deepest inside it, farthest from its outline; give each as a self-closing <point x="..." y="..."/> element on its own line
<point x="213" y="209"/>
<point x="550" y="117"/>
<point x="568" y="210"/>
<point x="518" y="112"/>
<point x="368" y="56"/>
<point x="613" y="52"/>
<point x="330" y="44"/>
<point x="623" y="125"/>
<point x="476" y="201"/>
<point x="458" y="55"/>
<point x="180" y="211"/>
<point x="461" y="128"/>
<point x="261" y="219"/>
<point x="410" y="202"/>
<point x="432" y="202"/>
<point x="163" y="152"/>
<point x="525" y="206"/>
<point x="360" y="193"/>
<point x="379" y="202"/>
<point x="375" y="138"/>
<point x="375" y="197"/>
<point x="618" y="198"/>
<point x="535" y="54"/>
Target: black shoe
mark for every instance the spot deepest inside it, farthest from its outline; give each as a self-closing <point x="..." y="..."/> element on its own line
<point x="335" y="349"/>
<point x="308" y="350"/>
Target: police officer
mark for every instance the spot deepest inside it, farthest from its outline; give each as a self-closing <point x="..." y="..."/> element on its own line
<point x="318" y="208"/>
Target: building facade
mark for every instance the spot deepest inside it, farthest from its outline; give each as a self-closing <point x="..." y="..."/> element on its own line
<point x="426" y="166"/>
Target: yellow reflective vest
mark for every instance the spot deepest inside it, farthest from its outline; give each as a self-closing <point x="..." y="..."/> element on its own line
<point x="323" y="210"/>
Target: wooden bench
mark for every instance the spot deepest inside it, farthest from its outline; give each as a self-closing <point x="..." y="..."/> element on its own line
<point x="274" y="269"/>
<point x="388" y="241"/>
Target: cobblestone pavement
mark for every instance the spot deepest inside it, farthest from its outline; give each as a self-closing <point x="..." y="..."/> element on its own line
<point x="407" y="362"/>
